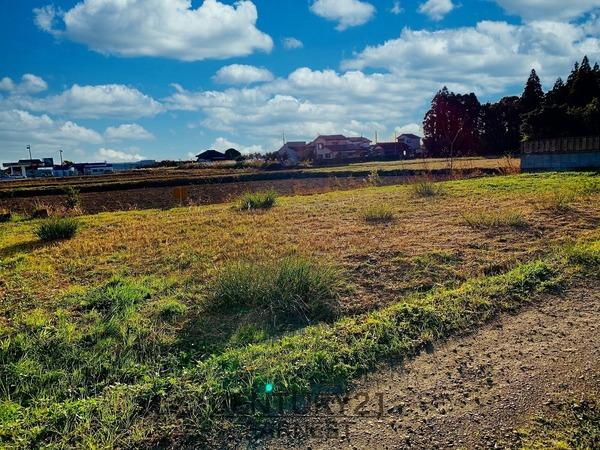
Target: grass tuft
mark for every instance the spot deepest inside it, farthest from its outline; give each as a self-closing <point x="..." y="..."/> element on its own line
<point x="426" y="188"/>
<point x="378" y="214"/>
<point x="498" y="219"/>
<point x="57" y="228"/>
<point x="258" y="200"/>
<point x="292" y="290"/>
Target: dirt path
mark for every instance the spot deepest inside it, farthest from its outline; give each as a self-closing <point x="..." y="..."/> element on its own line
<point x="472" y="392"/>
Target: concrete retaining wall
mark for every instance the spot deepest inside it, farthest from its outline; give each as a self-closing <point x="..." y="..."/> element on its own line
<point x="560" y="161"/>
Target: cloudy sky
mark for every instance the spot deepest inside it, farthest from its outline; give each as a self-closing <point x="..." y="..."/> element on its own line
<point x="121" y="80"/>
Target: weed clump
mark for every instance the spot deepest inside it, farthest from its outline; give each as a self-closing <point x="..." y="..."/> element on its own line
<point x="500" y="219"/>
<point x="57" y="228"/>
<point x="258" y="200"/>
<point x="288" y="291"/>
<point x="378" y="214"/>
<point x="426" y="188"/>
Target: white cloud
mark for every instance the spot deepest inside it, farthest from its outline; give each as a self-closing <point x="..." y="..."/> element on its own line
<point x="548" y="9"/>
<point x="411" y="128"/>
<point x="397" y="8"/>
<point x="20" y="128"/>
<point x="348" y="13"/>
<point x="127" y="132"/>
<point x="160" y="28"/>
<point x="436" y="9"/>
<point x="92" y="102"/>
<point x="111" y="155"/>
<point x="486" y="58"/>
<point x="291" y="43"/>
<point x="30" y="84"/>
<point x="242" y="74"/>
<point x="221" y="144"/>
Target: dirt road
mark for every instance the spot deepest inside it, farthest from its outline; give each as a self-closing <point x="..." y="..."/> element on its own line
<point x="471" y="392"/>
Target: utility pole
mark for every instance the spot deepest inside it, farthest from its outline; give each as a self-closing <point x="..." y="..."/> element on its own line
<point x="61" y="158"/>
<point x="29" y="149"/>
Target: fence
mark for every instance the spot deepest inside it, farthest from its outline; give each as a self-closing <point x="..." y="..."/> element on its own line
<point x="584" y="144"/>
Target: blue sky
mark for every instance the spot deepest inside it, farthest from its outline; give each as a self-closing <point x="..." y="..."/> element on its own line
<point x="165" y="79"/>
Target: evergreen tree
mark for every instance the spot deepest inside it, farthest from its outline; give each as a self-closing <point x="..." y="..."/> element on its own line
<point x="533" y="95"/>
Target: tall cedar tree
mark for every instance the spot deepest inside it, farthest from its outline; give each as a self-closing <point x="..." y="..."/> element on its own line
<point x="533" y="95"/>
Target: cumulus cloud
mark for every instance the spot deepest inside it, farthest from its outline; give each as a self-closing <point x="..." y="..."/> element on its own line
<point x="242" y="74"/>
<point x="348" y="13"/>
<point x="93" y="102"/>
<point x="19" y="128"/>
<point x="436" y="9"/>
<point x="486" y="58"/>
<point x="397" y="8"/>
<point x="111" y="155"/>
<point x="548" y="9"/>
<point x="128" y="132"/>
<point x="30" y="84"/>
<point x="159" y="28"/>
<point x="291" y="43"/>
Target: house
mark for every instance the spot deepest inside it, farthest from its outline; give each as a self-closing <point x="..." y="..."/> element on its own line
<point x="412" y="141"/>
<point x="338" y="147"/>
<point x="291" y="153"/>
<point x="210" y="156"/>
<point x="29" y="167"/>
<point x="232" y="154"/>
<point x="570" y="153"/>
<point x="391" y="150"/>
<point x="63" y="171"/>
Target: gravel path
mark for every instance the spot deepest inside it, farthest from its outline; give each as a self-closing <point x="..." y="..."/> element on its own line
<point x="472" y="392"/>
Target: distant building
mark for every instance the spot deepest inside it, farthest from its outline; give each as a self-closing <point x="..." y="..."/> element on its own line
<point x="338" y="147"/>
<point x="210" y="156"/>
<point x="125" y="166"/>
<point x="25" y="168"/>
<point x="391" y="150"/>
<point x="100" y="168"/>
<point x="412" y="141"/>
<point x="291" y="153"/>
<point x="232" y="154"/>
<point x="569" y="153"/>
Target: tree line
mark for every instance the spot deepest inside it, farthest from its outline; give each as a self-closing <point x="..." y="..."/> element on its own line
<point x="458" y="124"/>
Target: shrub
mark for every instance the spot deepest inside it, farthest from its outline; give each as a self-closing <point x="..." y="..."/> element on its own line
<point x="57" y="228"/>
<point x="378" y="213"/>
<point x="291" y="290"/>
<point x="500" y="219"/>
<point x="73" y="198"/>
<point x="427" y="189"/>
<point x="373" y="179"/>
<point x="258" y="200"/>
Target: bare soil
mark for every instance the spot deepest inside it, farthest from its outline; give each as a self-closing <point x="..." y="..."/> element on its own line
<point x="472" y="392"/>
<point x="164" y="197"/>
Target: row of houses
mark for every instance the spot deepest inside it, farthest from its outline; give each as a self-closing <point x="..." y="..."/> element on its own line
<point x="30" y="168"/>
<point x="337" y="147"/>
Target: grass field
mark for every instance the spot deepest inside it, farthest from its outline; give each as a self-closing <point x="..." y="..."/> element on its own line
<point x="134" y="333"/>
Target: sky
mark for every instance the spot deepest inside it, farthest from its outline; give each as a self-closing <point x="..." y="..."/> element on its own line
<point x="124" y="80"/>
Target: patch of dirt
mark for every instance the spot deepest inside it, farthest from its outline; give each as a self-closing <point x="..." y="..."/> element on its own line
<point x="472" y="392"/>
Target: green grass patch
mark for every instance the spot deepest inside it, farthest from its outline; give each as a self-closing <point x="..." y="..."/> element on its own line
<point x="379" y="214"/>
<point x="496" y="219"/>
<point x="56" y="228"/>
<point x="288" y="291"/>
<point x="138" y="413"/>
<point x="258" y="200"/>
